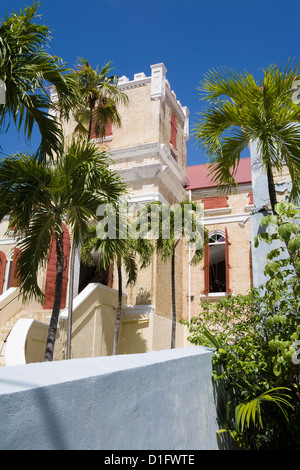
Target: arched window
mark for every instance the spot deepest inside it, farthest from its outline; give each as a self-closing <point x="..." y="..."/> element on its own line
<point x="216" y="263"/>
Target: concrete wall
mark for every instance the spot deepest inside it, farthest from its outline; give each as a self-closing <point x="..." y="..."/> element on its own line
<point x="159" y="400"/>
<point x="261" y="198"/>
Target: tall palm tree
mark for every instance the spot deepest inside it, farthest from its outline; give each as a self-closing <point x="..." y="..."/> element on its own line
<point x="242" y="110"/>
<point x="97" y="105"/>
<point x="28" y="72"/>
<point x="170" y="226"/>
<point x="121" y="250"/>
<point x="41" y="197"/>
<point x="100" y="96"/>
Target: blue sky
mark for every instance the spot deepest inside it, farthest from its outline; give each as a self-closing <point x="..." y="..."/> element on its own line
<point x="189" y="36"/>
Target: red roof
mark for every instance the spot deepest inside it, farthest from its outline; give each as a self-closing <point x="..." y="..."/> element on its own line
<point x="199" y="177"/>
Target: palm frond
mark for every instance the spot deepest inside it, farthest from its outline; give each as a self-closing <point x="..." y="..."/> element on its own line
<point x="245" y="412"/>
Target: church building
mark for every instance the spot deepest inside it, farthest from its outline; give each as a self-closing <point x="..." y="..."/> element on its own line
<point x="149" y="151"/>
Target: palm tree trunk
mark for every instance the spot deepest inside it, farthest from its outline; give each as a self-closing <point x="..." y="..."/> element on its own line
<point x="70" y="301"/>
<point x="117" y="328"/>
<point x="57" y="298"/>
<point x="173" y="300"/>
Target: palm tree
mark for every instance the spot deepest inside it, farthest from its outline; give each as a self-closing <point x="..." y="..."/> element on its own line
<point x="28" y="72"/>
<point x="121" y="250"/>
<point x="100" y="96"/>
<point x="242" y="110"/>
<point x="41" y="197"/>
<point x="169" y="225"/>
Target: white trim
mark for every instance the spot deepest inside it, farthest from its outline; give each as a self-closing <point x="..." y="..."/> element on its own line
<point x="214" y="295"/>
<point x="100" y="140"/>
<point x="139" y="152"/>
<point x="139" y="310"/>
<point x="124" y="84"/>
<point x="217" y="232"/>
<point x="15" y="351"/>
<point x="146" y="198"/>
<point x="8" y="241"/>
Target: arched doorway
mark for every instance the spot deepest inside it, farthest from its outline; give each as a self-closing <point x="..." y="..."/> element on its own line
<point x="88" y="274"/>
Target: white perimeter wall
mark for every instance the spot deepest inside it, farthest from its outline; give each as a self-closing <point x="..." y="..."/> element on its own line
<point x="159" y="400"/>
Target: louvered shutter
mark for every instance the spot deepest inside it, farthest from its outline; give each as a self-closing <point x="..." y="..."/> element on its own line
<point x="215" y="202"/>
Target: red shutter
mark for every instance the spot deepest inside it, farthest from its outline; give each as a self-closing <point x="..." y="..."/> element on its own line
<point x="108" y="129"/>
<point x="173" y="130"/>
<point x="2" y="270"/>
<point x="14" y="275"/>
<point x="206" y="270"/>
<point x="227" y="266"/>
<point x="215" y="202"/>
<point x="51" y="273"/>
<point x="251" y="198"/>
<point x="93" y="128"/>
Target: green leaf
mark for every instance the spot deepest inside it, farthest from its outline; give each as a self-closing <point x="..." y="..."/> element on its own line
<point x="294" y="244"/>
<point x="277" y="369"/>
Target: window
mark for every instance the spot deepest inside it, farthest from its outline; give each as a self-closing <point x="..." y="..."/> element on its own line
<point x="173" y="131"/>
<point x="216" y="263"/>
<point x="215" y="202"/>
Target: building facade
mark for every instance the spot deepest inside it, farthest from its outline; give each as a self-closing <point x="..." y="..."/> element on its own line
<point x="150" y="153"/>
